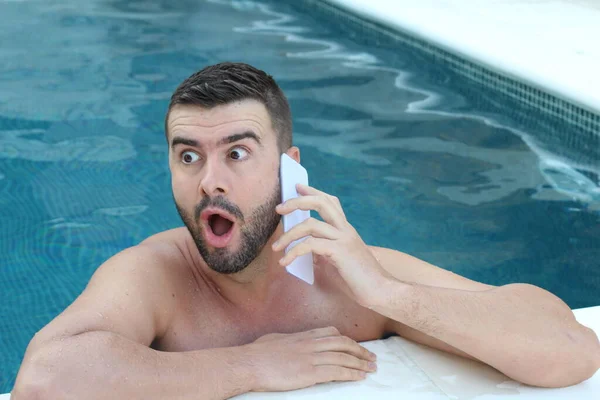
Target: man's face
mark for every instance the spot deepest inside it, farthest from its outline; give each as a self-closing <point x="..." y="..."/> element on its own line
<point x="224" y="164"/>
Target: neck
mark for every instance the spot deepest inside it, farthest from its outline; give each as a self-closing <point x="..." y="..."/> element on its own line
<point x="259" y="279"/>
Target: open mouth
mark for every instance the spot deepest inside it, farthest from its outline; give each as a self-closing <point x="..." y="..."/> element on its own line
<point x="219" y="224"/>
<point x="219" y="227"/>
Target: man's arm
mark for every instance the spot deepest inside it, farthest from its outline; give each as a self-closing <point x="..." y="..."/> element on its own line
<point x="99" y="346"/>
<point x="105" y="365"/>
<point x="523" y="331"/>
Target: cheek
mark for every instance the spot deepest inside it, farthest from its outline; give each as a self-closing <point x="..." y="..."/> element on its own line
<point x="261" y="187"/>
<point x="183" y="189"/>
<point x="254" y="192"/>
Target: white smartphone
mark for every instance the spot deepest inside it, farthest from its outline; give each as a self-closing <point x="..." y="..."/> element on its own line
<point x="291" y="173"/>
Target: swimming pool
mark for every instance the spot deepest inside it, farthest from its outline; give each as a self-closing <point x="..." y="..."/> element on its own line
<point x="422" y="160"/>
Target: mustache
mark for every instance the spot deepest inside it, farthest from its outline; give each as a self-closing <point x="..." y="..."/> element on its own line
<point x="218" y="202"/>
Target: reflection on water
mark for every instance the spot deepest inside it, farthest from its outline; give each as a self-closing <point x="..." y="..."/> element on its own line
<point x="87" y="149"/>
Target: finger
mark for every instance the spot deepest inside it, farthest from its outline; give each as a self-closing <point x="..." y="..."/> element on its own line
<point x="331" y="373"/>
<point x="322" y="332"/>
<point x="344" y="360"/>
<point x="305" y="190"/>
<point x="328" y="209"/>
<point x="310" y="227"/>
<point x="343" y="344"/>
<point x="269" y="336"/>
<point x="309" y="190"/>
<point x="322" y="247"/>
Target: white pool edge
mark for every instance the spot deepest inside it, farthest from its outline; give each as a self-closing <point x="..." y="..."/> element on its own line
<point x="589" y="317"/>
<point x="582" y="90"/>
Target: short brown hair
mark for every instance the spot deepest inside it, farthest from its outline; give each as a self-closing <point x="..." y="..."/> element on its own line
<point x="228" y="82"/>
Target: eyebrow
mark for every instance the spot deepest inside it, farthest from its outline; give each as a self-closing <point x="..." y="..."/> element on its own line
<point x="236" y="137"/>
<point x="181" y="140"/>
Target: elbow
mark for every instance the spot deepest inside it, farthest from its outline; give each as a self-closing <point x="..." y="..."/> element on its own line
<point x="590" y="354"/>
<point x="569" y="368"/>
<point x="28" y="389"/>
<point x="36" y="380"/>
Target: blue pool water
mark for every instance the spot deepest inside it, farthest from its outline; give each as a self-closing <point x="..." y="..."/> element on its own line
<point x="423" y="161"/>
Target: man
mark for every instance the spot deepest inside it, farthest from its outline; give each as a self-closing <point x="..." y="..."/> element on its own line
<point x="209" y="312"/>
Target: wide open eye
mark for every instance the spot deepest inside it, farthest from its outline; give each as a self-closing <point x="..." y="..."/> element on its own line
<point x="189" y="157"/>
<point x="238" y="153"/>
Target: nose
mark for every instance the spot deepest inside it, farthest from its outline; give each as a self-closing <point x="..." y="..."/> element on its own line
<point x="213" y="180"/>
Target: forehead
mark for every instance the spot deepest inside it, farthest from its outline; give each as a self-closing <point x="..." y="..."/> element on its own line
<point x="245" y="114"/>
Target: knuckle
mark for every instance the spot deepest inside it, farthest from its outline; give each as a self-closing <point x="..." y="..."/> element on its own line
<point x="340" y="373"/>
<point x="312" y="369"/>
<point x="333" y="330"/>
<point x="335" y="340"/>
<point x="349" y="374"/>
<point x="293" y="251"/>
<point x="269" y="336"/>
<point x="349" y="341"/>
<point x="364" y="365"/>
<point x="308" y="370"/>
<point x="339" y="358"/>
<point x="302" y="249"/>
<point x="325" y="329"/>
<point x="331" y="340"/>
<point x="356" y="374"/>
<point x="327" y="373"/>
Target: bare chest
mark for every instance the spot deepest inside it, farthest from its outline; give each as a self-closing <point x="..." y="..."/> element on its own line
<point x="221" y="326"/>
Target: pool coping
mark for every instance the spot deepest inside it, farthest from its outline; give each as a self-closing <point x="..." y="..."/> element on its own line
<point x="411" y="371"/>
<point x="515" y="54"/>
<point x="576" y="104"/>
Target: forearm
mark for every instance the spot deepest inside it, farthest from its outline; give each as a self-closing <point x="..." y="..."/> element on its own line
<point x="101" y="365"/>
<point x="525" y="332"/>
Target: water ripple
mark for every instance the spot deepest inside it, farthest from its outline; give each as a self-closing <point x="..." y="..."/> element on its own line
<point x="122" y="211"/>
<point x="504" y="180"/>
<point x="15" y="144"/>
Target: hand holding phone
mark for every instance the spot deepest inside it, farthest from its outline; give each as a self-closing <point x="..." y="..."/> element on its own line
<point x="291" y="173"/>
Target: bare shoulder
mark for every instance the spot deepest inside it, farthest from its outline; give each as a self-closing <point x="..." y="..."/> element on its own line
<point x="131" y="294"/>
<point x="153" y="262"/>
<point x="407" y="268"/>
<point x="172" y="252"/>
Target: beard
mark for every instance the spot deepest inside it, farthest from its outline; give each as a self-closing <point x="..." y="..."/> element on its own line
<point x="255" y="234"/>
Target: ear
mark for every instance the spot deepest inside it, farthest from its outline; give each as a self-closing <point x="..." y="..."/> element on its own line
<point x="294" y="153"/>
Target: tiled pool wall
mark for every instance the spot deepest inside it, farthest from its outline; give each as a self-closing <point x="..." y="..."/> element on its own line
<point x="568" y="129"/>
